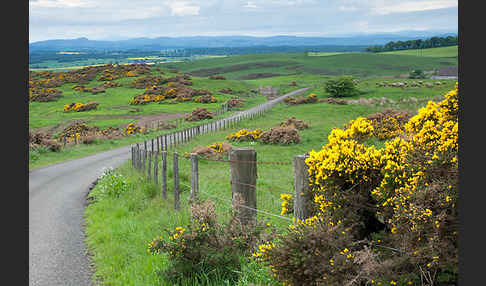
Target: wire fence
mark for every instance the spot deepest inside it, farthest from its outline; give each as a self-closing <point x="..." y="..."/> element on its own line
<point x="152" y="158"/>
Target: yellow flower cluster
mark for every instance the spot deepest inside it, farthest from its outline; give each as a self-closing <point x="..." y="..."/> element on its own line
<point x="245" y="135"/>
<point x="286" y="201"/>
<point x="217" y="146"/>
<point x="146" y="98"/>
<point x="132" y="129"/>
<point x="263" y="248"/>
<point x="433" y="133"/>
<point x="73" y="107"/>
<point x="179" y="231"/>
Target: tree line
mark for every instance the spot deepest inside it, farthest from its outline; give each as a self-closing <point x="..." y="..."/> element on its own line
<point x="433" y="42"/>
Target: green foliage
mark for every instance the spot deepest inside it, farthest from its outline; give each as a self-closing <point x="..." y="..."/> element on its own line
<point x="111" y="184"/>
<point x="415" y="74"/>
<point x="342" y="86"/>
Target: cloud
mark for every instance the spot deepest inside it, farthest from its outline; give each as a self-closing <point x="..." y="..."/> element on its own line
<point x="183" y="8"/>
<point x="61" y="3"/>
<point x="414" y="6"/>
<point x="104" y="19"/>
<point x="250" y="4"/>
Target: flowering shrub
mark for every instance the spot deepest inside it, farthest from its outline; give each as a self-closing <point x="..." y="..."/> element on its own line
<point x="245" y="135"/>
<point x="132" y="128"/>
<point x="146" y="98"/>
<point x="388" y="124"/>
<point x="384" y="216"/>
<point x="41" y="94"/>
<point x="324" y="257"/>
<point x="206" y="246"/>
<point x="205" y="99"/>
<point x="78" y="107"/>
<point x="311" y="98"/>
<point x="217" y="146"/>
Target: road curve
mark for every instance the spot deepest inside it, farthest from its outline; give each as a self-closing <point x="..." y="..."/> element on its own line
<point x="57" y="197"/>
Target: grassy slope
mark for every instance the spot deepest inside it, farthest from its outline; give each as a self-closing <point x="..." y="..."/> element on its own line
<point x="119" y="229"/>
<point x="442" y="52"/>
<point x="360" y="64"/>
<point x="114" y="103"/>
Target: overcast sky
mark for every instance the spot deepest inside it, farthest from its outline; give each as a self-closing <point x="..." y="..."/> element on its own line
<point x="123" y="19"/>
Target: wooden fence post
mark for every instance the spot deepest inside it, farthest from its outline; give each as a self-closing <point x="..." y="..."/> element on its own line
<point x="194" y="176"/>
<point x="243" y="183"/>
<point x="158" y="143"/>
<point x="302" y="192"/>
<point x="149" y="167"/>
<point x="152" y="145"/>
<point x="144" y="152"/>
<point x="176" y="180"/>
<point x="156" y="168"/>
<point x="164" y="174"/>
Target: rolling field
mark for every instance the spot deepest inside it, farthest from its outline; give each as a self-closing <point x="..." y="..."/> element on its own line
<point x="442" y="52"/>
<point x="357" y="64"/>
<point x="243" y="73"/>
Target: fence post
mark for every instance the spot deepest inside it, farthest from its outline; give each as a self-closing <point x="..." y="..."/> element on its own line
<point x="243" y="183"/>
<point x="158" y="143"/>
<point x="302" y="192"/>
<point x="152" y="145"/>
<point x="131" y="150"/>
<point x="176" y="180"/>
<point x="164" y="174"/>
<point x="144" y="152"/>
<point x="156" y="168"/>
<point x="194" y="176"/>
<point x="149" y="167"/>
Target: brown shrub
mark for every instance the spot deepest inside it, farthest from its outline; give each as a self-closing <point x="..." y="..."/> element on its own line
<point x="280" y="135"/>
<point x="226" y="90"/>
<point x="199" y="114"/>
<point x="217" y="77"/>
<point x="298" y="124"/>
<point x="334" y="101"/>
<point x="206" y="152"/>
<point x="235" y="102"/>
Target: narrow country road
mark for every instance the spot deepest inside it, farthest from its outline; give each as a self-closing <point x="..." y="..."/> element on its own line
<point x="57" y="197"/>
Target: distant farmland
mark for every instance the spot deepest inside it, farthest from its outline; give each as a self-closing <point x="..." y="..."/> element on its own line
<point x="352" y="63"/>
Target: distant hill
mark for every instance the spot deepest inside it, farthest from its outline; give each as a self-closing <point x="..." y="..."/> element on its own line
<point x="159" y="43"/>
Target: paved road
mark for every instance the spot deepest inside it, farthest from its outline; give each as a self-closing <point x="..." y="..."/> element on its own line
<point x="57" y="197"/>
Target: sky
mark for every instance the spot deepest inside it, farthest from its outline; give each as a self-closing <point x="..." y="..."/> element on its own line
<point x="124" y="19"/>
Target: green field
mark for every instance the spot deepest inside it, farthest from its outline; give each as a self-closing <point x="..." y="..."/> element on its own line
<point x="243" y="73"/>
<point x="442" y="52"/>
<point x="357" y="64"/>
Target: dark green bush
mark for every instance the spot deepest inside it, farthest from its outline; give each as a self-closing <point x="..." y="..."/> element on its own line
<point x="342" y="86"/>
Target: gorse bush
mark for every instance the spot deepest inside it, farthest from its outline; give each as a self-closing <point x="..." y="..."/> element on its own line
<point x="207" y="247"/>
<point x="341" y="86"/>
<point x="382" y="216"/>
